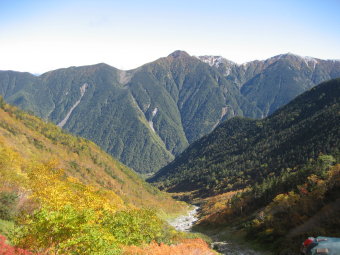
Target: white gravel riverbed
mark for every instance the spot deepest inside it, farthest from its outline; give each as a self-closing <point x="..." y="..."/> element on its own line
<point x="185" y="223"/>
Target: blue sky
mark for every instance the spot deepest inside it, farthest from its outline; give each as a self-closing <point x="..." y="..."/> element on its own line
<point x="37" y="36"/>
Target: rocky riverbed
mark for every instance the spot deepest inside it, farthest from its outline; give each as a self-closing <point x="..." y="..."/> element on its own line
<point x="185" y="223"/>
<point x="225" y="247"/>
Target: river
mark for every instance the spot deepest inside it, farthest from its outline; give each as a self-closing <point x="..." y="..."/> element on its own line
<point x="185" y="223"/>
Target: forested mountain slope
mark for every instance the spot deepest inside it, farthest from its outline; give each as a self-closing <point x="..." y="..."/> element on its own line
<point x="241" y="152"/>
<point x="274" y="82"/>
<point x="147" y="116"/>
<point x="100" y="108"/>
<point x="144" y="116"/>
<point x="28" y="138"/>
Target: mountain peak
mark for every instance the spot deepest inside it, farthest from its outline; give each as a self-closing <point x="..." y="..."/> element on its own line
<point x="290" y="55"/>
<point x="309" y="61"/>
<point x="216" y="60"/>
<point x="179" y="54"/>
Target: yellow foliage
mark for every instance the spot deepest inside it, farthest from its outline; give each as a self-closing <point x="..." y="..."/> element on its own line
<point x="74" y="203"/>
<point x="285" y="200"/>
<point x="334" y="175"/>
<point x="256" y="222"/>
<point x="10" y="166"/>
<point x="50" y="186"/>
<point x="28" y="139"/>
<point x="269" y="230"/>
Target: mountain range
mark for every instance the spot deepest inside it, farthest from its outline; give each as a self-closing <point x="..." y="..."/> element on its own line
<point x="147" y="116"/>
<point x="242" y="152"/>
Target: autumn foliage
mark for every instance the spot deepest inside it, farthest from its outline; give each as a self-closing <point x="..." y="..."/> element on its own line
<point x="75" y="218"/>
<point x="27" y="138"/>
<point x="62" y="195"/>
<point x="186" y="247"/>
<point x="6" y="249"/>
<point x="284" y="209"/>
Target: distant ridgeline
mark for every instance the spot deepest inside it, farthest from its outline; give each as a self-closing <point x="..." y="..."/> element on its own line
<point x="276" y="179"/>
<point x="147" y="116"/>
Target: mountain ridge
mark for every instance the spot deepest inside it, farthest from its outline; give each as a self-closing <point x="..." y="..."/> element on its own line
<point x="200" y="57"/>
<point x="241" y="148"/>
<point x="148" y="115"/>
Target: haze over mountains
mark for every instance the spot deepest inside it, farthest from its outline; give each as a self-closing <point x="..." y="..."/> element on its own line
<point x="146" y="116"/>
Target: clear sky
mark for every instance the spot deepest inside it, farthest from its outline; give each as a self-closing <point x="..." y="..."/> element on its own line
<point x="42" y="35"/>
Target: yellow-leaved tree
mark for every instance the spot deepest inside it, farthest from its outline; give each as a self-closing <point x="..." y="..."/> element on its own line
<point x="75" y="218"/>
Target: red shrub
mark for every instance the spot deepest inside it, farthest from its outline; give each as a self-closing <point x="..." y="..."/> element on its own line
<point x="186" y="247"/>
<point x="6" y="249"/>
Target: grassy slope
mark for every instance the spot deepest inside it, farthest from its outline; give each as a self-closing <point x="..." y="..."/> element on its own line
<point x="32" y="220"/>
<point x="34" y="139"/>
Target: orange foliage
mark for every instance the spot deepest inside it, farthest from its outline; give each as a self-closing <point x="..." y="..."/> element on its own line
<point x="186" y="247"/>
<point x="216" y="209"/>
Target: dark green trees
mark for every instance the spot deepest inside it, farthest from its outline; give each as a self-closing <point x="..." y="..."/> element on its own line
<point x="241" y="152"/>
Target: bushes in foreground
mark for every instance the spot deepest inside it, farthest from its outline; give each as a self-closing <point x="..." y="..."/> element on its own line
<point x="6" y="249"/>
<point x="186" y="247"/>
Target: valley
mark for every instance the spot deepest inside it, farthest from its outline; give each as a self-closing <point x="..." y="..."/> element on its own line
<point x="169" y="127"/>
<point x="186" y="222"/>
<point x="226" y="172"/>
<point x="263" y="175"/>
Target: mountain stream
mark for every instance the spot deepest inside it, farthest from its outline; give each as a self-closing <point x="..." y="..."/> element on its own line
<point x="185" y="222"/>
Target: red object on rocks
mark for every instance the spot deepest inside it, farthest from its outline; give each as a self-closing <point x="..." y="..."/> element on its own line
<point x="308" y="241"/>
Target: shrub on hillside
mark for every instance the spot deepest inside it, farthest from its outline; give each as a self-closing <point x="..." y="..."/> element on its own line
<point x="186" y="247"/>
<point x="6" y="249"/>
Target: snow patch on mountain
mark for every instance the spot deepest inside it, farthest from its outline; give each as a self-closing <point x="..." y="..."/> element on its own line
<point x="217" y="61"/>
<point x="306" y="59"/>
<point x="310" y="61"/>
<point x="82" y="92"/>
<point x="211" y="60"/>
